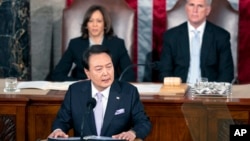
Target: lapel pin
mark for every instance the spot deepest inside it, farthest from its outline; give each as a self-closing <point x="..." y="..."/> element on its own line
<point x="117" y="98"/>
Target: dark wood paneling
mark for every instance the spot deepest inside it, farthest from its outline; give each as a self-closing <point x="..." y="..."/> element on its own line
<point x="40" y="119"/>
<point x="12" y="118"/>
<point x="173" y="118"/>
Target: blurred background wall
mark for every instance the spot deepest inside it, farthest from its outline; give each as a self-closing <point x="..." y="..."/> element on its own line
<point x="41" y="43"/>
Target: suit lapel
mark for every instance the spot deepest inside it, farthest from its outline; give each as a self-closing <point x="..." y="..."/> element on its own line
<point x="105" y="42"/>
<point x="113" y="102"/>
<point x="184" y="42"/>
<point x="89" y="117"/>
<point x="206" y="44"/>
<point x="85" y="43"/>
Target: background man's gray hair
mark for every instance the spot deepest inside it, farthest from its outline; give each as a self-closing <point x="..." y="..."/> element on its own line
<point x="208" y="1"/>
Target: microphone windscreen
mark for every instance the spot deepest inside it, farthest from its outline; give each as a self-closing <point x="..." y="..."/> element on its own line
<point x="91" y="103"/>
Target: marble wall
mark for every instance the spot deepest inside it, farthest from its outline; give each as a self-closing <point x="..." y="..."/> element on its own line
<point x="14" y="39"/>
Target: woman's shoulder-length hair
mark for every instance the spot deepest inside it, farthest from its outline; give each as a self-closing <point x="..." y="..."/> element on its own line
<point x="108" y="29"/>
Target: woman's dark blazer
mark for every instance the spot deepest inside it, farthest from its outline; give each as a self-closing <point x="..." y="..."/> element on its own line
<point x="74" y="53"/>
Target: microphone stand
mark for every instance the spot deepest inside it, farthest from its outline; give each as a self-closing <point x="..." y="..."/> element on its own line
<point x="81" y="136"/>
<point x="90" y="105"/>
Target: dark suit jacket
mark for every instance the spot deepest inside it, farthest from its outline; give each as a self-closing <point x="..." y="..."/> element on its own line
<point x="74" y="54"/>
<point x="216" y="60"/>
<point x="122" y="96"/>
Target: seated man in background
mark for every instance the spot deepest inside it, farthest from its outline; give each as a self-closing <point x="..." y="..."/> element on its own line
<point x="197" y="48"/>
<point x="96" y="29"/>
<point x="122" y="115"/>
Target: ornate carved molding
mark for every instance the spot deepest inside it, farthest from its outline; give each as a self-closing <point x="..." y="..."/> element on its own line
<point x="7" y="128"/>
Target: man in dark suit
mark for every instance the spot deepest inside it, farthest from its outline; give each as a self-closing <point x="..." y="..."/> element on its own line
<point x="123" y="115"/>
<point x="210" y="58"/>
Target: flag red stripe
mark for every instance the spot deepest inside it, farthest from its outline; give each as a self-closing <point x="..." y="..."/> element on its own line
<point x="69" y="2"/>
<point x="134" y="4"/>
<point x="159" y="26"/>
<point x="244" y="42"/>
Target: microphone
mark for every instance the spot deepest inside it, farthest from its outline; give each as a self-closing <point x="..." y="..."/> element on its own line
<point x="153" y="65"/>
<point x="90" y="106"/>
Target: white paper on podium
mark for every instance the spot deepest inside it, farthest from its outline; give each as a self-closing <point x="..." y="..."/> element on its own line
<point x="93" y="137"/>
<point x="86" y="138"/>
<point x="44" y="85"/>
<point x="64" y="139"/>
<point x="148" y="88"/>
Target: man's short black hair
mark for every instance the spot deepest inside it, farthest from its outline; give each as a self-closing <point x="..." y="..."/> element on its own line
<point x="94" y="49"/>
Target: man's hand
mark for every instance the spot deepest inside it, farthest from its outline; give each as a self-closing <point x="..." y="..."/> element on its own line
<point x="129" y="136"/>
<point x="58" y="133"/>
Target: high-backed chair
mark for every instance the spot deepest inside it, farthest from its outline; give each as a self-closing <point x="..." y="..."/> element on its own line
<point x="122" y="17"/>
<point x="222" y="14"/>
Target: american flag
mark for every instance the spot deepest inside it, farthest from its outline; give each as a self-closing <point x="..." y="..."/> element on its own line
<point x="150" y="24"/>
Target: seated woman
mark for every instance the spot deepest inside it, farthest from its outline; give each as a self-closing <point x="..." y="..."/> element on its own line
<point x="96" y="29"/>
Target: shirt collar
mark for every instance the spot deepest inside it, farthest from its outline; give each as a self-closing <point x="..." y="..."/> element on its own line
<point x="92" y="43"/>
<point x="201" y="28"/>
<point x="105" y="92"/>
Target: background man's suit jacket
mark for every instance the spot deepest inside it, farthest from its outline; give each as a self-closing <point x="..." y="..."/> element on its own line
<point x="74" y="54"/>
<point x="216" y="60"/>
<point x="122" y="97"/>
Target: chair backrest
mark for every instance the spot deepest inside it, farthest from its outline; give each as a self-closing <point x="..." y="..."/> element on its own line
<point x="222" y="14"/>
<point x="121" y="14"/>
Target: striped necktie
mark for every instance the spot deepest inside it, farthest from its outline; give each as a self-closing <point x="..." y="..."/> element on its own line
<point x="98" y="111"/>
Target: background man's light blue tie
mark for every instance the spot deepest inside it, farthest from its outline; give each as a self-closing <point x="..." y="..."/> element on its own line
<point x="195" y="58"/>
<point x="98" y="111"/>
